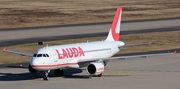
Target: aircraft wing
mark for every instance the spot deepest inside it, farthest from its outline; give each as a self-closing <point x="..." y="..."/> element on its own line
<point x="16" y="52"/>
<point x="144" y="55"/>
<point x="132" y="56"/>
<point x="85" y="62"/>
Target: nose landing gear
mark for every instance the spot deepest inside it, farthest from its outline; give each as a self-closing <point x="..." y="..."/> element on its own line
<point x="45" y="78"/>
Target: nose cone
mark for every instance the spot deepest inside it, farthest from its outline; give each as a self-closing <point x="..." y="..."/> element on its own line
<point x="34" y="62"/>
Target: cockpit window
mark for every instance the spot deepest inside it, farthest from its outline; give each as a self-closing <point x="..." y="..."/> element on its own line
<point x="40" y="55"/>
<point x="34" y="55"/>
<point x="47" y="55"/>
<point x="44" y="55"/>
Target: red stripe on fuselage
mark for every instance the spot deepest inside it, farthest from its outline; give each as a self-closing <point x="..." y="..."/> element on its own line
<point x="54" y="65"/>
<point x="114" y="25"/>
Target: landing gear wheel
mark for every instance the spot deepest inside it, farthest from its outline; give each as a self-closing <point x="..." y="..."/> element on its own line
<point x="99" y="75"/>
<point x="45" y="78"/>
<point x="59" y="72"/>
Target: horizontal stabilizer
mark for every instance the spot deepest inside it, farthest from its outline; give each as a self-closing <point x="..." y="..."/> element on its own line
<point x="143" y="43"/>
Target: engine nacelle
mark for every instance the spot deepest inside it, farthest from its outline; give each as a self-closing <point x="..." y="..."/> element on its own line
<point x="95" y="68"/>
<point x="32" y="70"/>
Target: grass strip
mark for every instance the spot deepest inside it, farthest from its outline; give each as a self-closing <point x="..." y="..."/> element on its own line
<point x="160" y="41"/>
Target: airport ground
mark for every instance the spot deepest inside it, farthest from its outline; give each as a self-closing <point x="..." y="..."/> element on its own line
<point x="158" y="72"/>
<point x="162" y="33"/>
<point x="30" y="13"/>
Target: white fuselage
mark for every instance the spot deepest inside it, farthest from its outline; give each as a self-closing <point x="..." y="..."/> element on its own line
<point x="63" y="56"/>
<point x="92" y="55"/>
<point x="71" y="55"/>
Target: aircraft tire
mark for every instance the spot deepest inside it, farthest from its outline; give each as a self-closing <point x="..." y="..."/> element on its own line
<point x="45" y="78"/>
<point x="100" y="75"/>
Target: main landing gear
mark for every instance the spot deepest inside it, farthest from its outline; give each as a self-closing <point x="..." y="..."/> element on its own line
<point x="99" y="75"/>
<point x="58" y="72"/>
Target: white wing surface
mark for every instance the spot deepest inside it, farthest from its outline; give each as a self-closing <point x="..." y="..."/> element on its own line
<point x="86" y="61"/>
<point x="16" y="52"/>
<point x="144" y="55"/>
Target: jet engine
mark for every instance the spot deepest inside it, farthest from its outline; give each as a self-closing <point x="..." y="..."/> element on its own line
<point x="95" y="68"/>
<point x="32" y="70"/>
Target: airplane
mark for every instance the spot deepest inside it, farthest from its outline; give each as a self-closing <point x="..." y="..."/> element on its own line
<point x="92" y="55"/>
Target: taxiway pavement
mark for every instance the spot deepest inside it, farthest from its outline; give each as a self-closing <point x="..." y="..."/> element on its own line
<point x="157" y="72"/>
<point x="28" y="35"/>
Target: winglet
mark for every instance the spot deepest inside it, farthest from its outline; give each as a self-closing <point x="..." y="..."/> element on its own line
<point x="4" y="49"/>
<point x="175" y="52"/>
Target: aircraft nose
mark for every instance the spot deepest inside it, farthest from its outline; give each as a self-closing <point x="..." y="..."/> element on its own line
<point x="34" y="61"/>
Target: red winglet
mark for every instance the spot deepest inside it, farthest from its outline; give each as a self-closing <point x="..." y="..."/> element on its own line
<point x="175" y="52"/>
<point x="4" y="49"/>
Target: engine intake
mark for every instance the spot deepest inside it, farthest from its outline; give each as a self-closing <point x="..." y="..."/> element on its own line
<point x="95" y="68"/>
